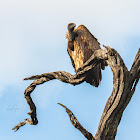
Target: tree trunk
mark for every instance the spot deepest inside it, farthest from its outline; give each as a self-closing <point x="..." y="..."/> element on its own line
<point x="124" y="84"/>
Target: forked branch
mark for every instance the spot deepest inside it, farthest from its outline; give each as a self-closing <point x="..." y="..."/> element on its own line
<point x="63" y="76"/>
<point x="124" y="85"/>
<point x="124" y="82"/>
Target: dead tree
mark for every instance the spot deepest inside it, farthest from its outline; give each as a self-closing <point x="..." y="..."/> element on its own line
<point x="124" y="82"/>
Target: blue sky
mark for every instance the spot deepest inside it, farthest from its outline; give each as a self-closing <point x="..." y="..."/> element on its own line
<point x="32" y="41"/>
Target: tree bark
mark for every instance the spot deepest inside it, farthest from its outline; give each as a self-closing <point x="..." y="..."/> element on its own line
<point x="124" y="82"/>
<point x="124" y="85"/>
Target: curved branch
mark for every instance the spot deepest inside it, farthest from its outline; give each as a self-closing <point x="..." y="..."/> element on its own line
<point x="63" y="76"/>
<point x="77" y="125"/>
<point x="123" y="89"/>
<point x="124" y="85"/>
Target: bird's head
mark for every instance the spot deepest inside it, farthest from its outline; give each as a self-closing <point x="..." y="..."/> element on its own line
<point x="71" y="26"/>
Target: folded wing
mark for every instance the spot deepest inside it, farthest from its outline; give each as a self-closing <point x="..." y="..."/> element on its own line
<point x="81" y="49"/>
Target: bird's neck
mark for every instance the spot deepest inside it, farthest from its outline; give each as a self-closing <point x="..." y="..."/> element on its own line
<point x="70" y="35"/>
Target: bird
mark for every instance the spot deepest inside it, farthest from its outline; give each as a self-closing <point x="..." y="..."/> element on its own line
<point x="81" y="46"/>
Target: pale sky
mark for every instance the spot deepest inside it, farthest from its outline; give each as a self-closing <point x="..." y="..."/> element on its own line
<point x="32" y="41"/>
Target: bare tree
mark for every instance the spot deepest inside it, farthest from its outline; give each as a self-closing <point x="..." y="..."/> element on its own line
<point x="124" y="85"/>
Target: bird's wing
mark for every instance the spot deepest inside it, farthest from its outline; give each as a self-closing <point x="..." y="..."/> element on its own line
<point x="81" y="49"/>
<point x="86" y="42"/>
<point x="83" y="46"/>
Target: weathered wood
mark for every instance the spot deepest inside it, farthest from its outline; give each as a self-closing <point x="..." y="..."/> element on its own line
<point x="77" y="125"/>
<point x="124" y="85"/>
<point x="63" y="76"/>
<point x="123" y="90"/>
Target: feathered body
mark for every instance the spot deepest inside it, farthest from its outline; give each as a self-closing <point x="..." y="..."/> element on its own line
<point x="81" y="45"/>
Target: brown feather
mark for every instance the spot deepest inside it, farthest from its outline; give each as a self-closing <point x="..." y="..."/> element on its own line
<point x="84" y="45"/>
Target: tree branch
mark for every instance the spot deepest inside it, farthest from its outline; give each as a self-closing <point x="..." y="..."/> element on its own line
<point x="120" y="97"/>
<point x="124" y="85"/>
<point x="63" y="76"/>
<point x="77" y="125"/>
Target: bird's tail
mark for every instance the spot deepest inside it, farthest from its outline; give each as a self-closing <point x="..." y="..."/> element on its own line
<point x="94" y="76"/>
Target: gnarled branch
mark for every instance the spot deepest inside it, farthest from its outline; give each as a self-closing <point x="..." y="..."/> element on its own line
<point x="63" y="76"/>
<point x="124" y="82"/>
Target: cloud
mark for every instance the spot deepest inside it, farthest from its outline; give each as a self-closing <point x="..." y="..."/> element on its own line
<point x="32" y="36"/>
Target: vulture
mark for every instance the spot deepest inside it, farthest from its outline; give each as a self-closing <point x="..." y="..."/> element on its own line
<point x="81" y="46"/>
